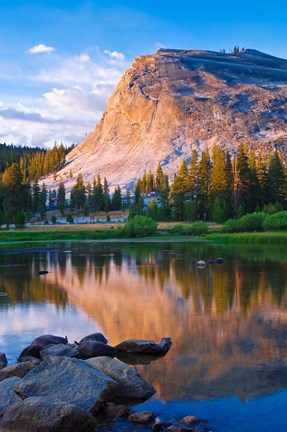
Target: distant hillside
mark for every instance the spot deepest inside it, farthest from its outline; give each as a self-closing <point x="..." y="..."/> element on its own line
<point x="174" y="101"/>
<point x="12" y="153"/>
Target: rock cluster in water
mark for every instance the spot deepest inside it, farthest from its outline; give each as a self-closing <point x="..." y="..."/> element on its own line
<point x="57" y="386"/>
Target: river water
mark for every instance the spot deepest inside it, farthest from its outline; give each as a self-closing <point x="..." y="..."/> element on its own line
<point x="228" y="323"/>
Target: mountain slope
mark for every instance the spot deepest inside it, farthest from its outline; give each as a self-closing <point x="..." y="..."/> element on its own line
<point x="175" y="100"/>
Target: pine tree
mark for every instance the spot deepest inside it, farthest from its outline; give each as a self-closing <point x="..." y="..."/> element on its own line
<point x="221" y="185"/>
<point x="277" y="180"/>
<point x="61" y="197"/>
<point x="106" y="196"/>
<point x="12" y="191"/>
<point x="264" y="195"/>
<point x="117" y="199"/>
<point x="78" y="193"/>
<point x="98" y="194"/>
<point x="159" y="177"/>
<point x="43" y="200"/>
<point x="178" y="192"/>
<point x="203" y="184"/>
<point x="153" y="209"/>
<point x="243" y="195"/>
<point x="35" y="197"/>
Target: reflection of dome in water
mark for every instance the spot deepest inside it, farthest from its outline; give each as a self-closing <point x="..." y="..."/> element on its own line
<point x="220" y="320"/>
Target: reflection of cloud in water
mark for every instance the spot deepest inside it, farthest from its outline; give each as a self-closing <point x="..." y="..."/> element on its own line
<point x="23" y="323"/>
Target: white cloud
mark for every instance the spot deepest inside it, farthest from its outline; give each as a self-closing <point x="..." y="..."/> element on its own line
<point x="115" y="55"/>
<point x="40" y="49"/>
<point x="64" y="98"/>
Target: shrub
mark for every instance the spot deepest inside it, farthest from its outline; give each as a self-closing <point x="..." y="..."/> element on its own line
<point x="70" y="218"/>
<point x="53" y="219"/>
<point x="247" y="223"/>
<point x="276" y="222"/>
<point x="197" y="228"/>
<point x="139" y="226"/>
<point x="20" y="219"/>
<point x="177" y="229"/>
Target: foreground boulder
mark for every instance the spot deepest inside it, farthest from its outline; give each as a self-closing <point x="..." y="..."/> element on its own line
<point x="70" y="380"/>
<point x="18" y="370"/>
<point x="3" y="360"/>
<point x="90" y="348"/>
<point x="131" y="384"/>
<point x="145" y="346"/>
<point x="43" y="415"/>
<point x="7" y="395"/>
<point x="60" y="350"/>
<point x="97" y="337"/>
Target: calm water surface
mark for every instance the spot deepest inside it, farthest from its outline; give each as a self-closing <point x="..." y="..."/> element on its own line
<point x="228" y="323"/>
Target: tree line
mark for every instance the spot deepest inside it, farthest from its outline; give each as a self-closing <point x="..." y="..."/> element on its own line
<point x="216" y="187"/>
<point x="209" y="187"/>
<point x="33" y="162"/>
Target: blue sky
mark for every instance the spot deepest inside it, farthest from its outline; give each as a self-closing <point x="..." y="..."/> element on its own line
<point x="61" y="60"/>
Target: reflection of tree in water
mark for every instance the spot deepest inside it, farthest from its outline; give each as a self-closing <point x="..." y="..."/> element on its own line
<point x="224" y="320"/>
<point x="20" y="280"/>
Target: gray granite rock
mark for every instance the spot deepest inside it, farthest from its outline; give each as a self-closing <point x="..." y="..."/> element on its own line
<point x="131" y="384"/>
<point x="43" y="415"/>
<point x="89" y="349"/>
<point x="70" y="380"/>
<point x="17" y="370"/>
<point x="60" y="350"/>
<point x="3" y="360"/>
<point x="145" y="346"/>
<point x="48" y="339"/>
<point x="7" y="395"/>
<point x="32" y="350"/>
<point x="98" y="337"/>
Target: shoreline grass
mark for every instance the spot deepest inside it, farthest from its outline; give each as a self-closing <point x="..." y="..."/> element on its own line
<point x="111" y="232"/>
<point x="249" y="238"/>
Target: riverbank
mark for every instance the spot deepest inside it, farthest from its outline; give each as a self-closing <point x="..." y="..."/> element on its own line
<point x="111" y="232"/>
<point x="254" y="238"/>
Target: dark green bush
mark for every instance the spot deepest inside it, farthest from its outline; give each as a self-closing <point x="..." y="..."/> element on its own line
<point x="177" y="229"/>
<point x="20" y="219"/>
<point x="70" y="218"/>
<point x="248" y="223"/>
<point x="276" y="222"/>
<point x="197" y="228"/>
<point x="139" y="226"/>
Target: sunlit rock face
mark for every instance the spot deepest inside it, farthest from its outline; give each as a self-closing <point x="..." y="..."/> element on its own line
<point x="228" y="324"/>
<point x="174" y="101"/>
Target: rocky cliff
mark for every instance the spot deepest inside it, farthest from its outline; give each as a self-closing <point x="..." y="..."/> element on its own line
<point x="168" y="103"/>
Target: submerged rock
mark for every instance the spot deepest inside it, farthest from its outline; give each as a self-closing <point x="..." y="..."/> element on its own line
<point x="90" y="348"/>
<point x="70" y="380"/>
<point x="3" y="360"/>
<point x="117" y="410"/>
<point x="219" y="260"/>
<point x="201" y="264"/>
<point x="131" y="384"/>
<point x="145" y="346"/>
<point x="190" y="419"/>
<point x="142" y="417"/>
<point x="7" y="395"/>
<point x="42" y="272"/>
<point x="42" y="415"/>
<point x="19" y="370"/>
